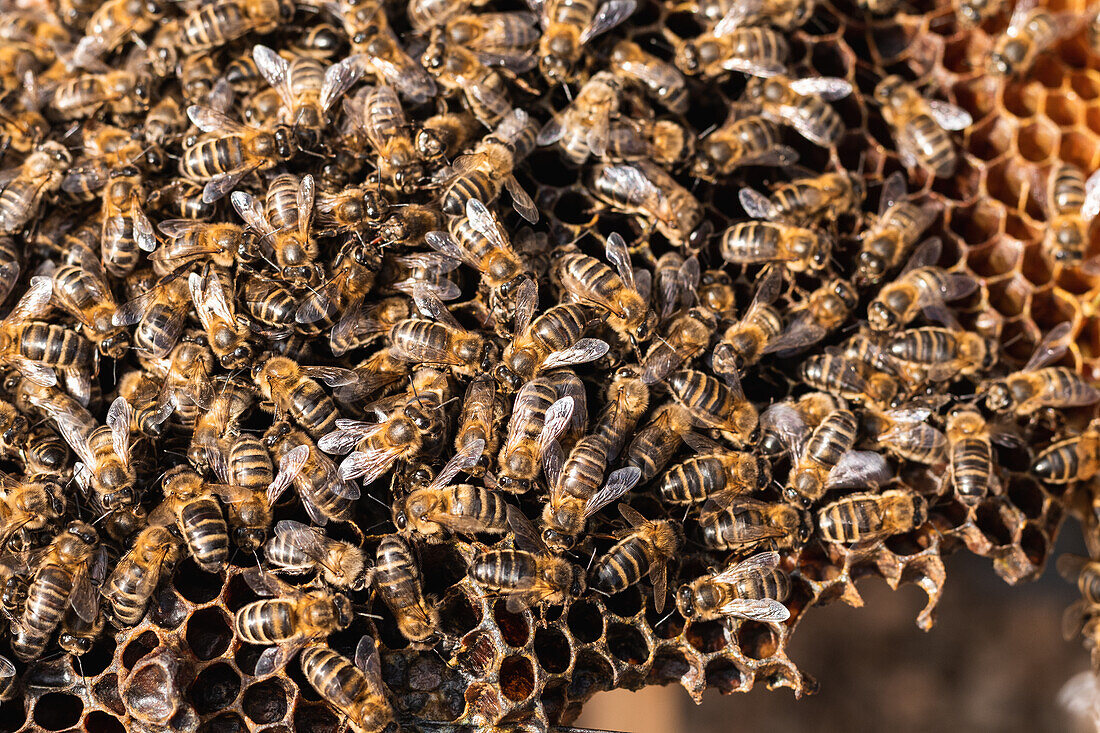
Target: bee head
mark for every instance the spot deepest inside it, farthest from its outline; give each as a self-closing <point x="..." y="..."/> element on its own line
<point x="249" y="539"/>
<point x="998" y="397"/>
<point x="284" y="141"/>
<point x="684" y="598"/>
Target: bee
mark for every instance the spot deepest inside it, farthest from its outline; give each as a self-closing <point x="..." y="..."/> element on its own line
<point x="160" y="313"/>
<point x="920" y="286"/>
<point x="529" y="574"/>
<point x="186" y="382"/>
<point x="441" y="340"/>
<point x="654" y="444"/>
<point x="806" y="200"/>
<point x="500" y="38"/>
<point x="298" y="548"/>
<point x="378" y="114"/>
<point x="568" y="27"/>
<point x="217" y="24"/>
<point x="715" y="471"/>
<point x="181" y="199"/>
<point x="351" y="209"/>
<point x="481" y="174"/>
<point x="341" y="298"/>
<point x="1079" y="616"/>
<point x="190" y="506"/>
<point x="941" y="354"/>
<point x="22" y="189"/>
<point x="844" y="377"/>
<point x="379" y="51"/>
<point x="645" y="189"/>
<point x="800" y="103"/>
<point x="660" y="79"/>
<point x="970" y="455"/>
<point x="584" y="126"/>
<point x="906" y="433"/>
<point x="482" y="412"/>
<point x="479" y="240"/>
<point x="43" y="452"/>
<point x="190" y="242"/>
<point x="1072" y="459"/>
<point x="757" y="51"/>
<point x="752" y="589"/>
<point x="586" y="279"/>
<point x="754" y="242"/>
<point x="823" y="459"/>
<point x="626" y="403"/>
<point x="295" y="392"/>
<point x="323" y="492"/>
<point x="126" y="227"/>
<point x="750" y="337"/>
<point x="445" y="135"/>
<point x="306" y="88"/>
<point x="1071" y="203"/>
<point x="84" y="292"/>
<point x="427" y="14"/>
<point x="76" y="636"/>
<point x="398" y="579"/>
<point x="231" y="150"/>
<point x="130" y="585"/>
<point x="715" y="405"/>
<point x="27" y="506"/>
<point x="644" y="549"/>
<point x="663" y="141"/>
<point x="284" y="224"/>
<point x="827" y="308"/>
<point x="63" y="578"/>
<point x="741" y="141"/>
<point x="105" y="453"/>
<point x="1037" y="386"/>
<point x="548" y="342"/>
<point x="862" y="518"/>
<point x="538" y="418"/>
<point x="356" y="691"/>
<point x="410" y="223"/>
<point x="676" y="282"/>
<point x="920" y="125"/>
<point x="217" y="312"/>
<point x="745" y="525"/>
<point x="1031" y="31"/>
<point x="123" y="92"/>
<point x="290" y="618"/>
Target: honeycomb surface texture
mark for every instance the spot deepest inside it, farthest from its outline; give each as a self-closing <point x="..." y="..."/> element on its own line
<point x="376" y="338"/>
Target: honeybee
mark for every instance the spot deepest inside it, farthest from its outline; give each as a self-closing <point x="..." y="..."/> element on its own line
<point x="341" y="299"/>
<point x="653" y="445"/>
<point x="676" y="282"/>
<point x="741" y="141"/>
<point x="586" y="279"/>
<point x="758" y="51"/>
<point x="715" y="405"/>
<point x="745" y="341"/>
<point x="398" y="579"/>
<point x="826" y="309"/>
<point x="306" y="88"/>
<point x="1072" y="459"/>
<point x="920" y="125"/>
<point x="186" y="385"/>
<point x="548" y="342"/>
<point x="1071" y="203"/>
<point x="845" y="378"/>
<point x="568" y="27"/>
<point x="123" y="92"/>
<point x="685" y="338"/>
<point x="190" y="506"/>
<point x="190" y="242"/>
<point x="83" y="291"/>
<point x="644" y="549"/>
<point x="298" y="548"/>
<point x="441" y="340"/>
<point x="479" y="240"/>
<point x="105" y="453"/>
<point x="745" y="524"/>
<point x="130" y="585"/>
<point x="295" y="392"/>
<point x="941" y="354"/>
<point x="1080" y="615"/>
<point x="22" y="189"/>
<point x="806" y="200"/>
<point x="26" y="506"/>
<point x="905" y="433"/>
<point x="538" y="418"/>
<point x="753" y="589"/>
<point x="290" y="619"/>
<point x="920" y="286"/>
<point x="356" y="691"/>
<point x="379" y="51"/>
<point x="409" y="224"/>
<point x="800" y="103"/>
<point x="584" y="126"/>
<point x="217" y="24"/>
<point x="63" y="578"/>
<point x="756" y="242"/>
<point x="321" y="489"/>
<point x="43" y="452"/>
<point x="445" y="135"/>
<point x="231" y="150"/>
<point x="126" y="227"/>
<point x="481" y="174"/>
<point x="351" y="209"/>
<point x="501" y="38"/>
<point x="714" y="472"/>
<point x="227" y="336"/>
<point x="860" y="518"/>
<point x="482" y="412"/>
<point x="970" y="455"/>
<point x="647" y="190"/>
<point x="377" y="112"/>
<point x="1037" y="386"/>
<point x="285" y="224"/>
<point x="76" y="636"/>
<point x="660" y="79"/>
<point x="1031" y="31"/>
<point x="528" y="575"/>
<point x="460" y="70"/>
<point x="823" y="459"/>
<point x="180" y="198"/>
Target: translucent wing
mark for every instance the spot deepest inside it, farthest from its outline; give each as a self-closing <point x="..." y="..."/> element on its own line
<point x="585" y="350"/>
<point x="658" y="575"/>
<point x="756" y="204"/>
<point x="1091" y="206"/>
<point x="617" y="484"/>
<point x="949" y="116"/>
<point x="7" y="669"/>
<point x="211" y="120"/>
<point x="290" y="465"/>
<point x="369" y="464"/>
<point x="632" y="515"/>
<point x="343" y="440"/>
<point x="610" y="15"/>
<point x="765" y="610"/>
<point x="459" y="462"/>
<point x="802" y="331"/>
<point x="527" y="300"/>
<point x="338" y="79"/>
<point x="859" y="469"/>
<point x="1051" y="348"/>
<point x="275" y="658"/>
<point x="527" y="537"/>
<point x="552" y="461"/>
<point x="739" y="12"/>
<point x="893" y="191"/>
<point x="305" y="538"/>
<point x="223" y="183"/>
<point x="926" y="255"/>
<point x="275" y="69"/>
<point x="828" y="88"/>
<point x="366" y="659"/>
<point x="521" y="200"/>
<point x="754" y="67"/>
<point x="551" y="132"/>
<point x="619" y="256"/>
<point x="557" y="418"/>
<point x="332" y="376"/>
<point x="428" y="303"/>
<point x="33" y="303"/>
<point x="252" y="212"/>
<point x="762" y="561"/>
<point x="119" y="416"/>
<point x="304" y="200"/>
<point x="484" y="222"/>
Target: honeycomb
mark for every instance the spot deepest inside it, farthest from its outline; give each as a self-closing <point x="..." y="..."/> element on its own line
<point x="184" y="669"/>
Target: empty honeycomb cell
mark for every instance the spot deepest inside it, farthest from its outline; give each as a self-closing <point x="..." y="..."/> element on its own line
<point x="553" y="650"/>
<point x="1021" y="100"/>
<point x="317" y="718"/>
<point x="517" y="678"/>
<point x="224" y="723"/>
<point x="996" y="258"/>
<point x="1008" y="182"/>
<point x="757" y="640"/>
<point x="215" y="688"/>
<point x="1036" y="267"/>
<point x="1038" y="141"/>
<point x="1048" y="71"/>
<point x="13" y="715"/>
<point x="829" y="59"/>
<point x="195" y="584"/>
<point x="57" y="710"/>
<point x="573" y="208"/>
<point x="963" y="185"/>
<point x="246" y="656"/>
<point x="627" y="644"/>
<point x="669" y="664"/>
<point x="706" y="636"/>
<point x="1085" y="83"/>
<point x="98" y="721"/>
<point x="555" y="699"/>
<point x="591" y="673"/>
<point x="723" y="675"/>
<point x="1010" y="296"/>
<point x="168" y="610"/>
<point x="907" y="544"/>
<point x="1079" y="149"/>
<point x="993" y="522"/>
<point x="977" y="95"/>
<point x="459" y="615"/>
<point x="1063" y="109"/>
<point x="1027" y="496"/>
<point x="208" y="633"/>
<point x="665" y="625"/>
<point x="513" y="626"/>
<point x="585" y="621"/>
<point x="976" y="224"/>
<point x="138" y="648"/>
<point x="991" y="138"/>
<point x="1049" y="307"/>
<point x="265" y="702"/>
<point x="1088" y="338"/>
<point x="1033" y="542"/>
<point x="626" y="604"/>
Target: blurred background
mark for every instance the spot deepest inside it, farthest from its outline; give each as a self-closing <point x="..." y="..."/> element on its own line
<point x="994" y="661"/>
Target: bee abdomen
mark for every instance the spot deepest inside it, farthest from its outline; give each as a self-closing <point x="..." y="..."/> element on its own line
<point x="46" y="601"/>
<point x="623" y="566"/>
<point x="266" y="621"/>
<point x="204" y="528"/>
<point x="503" y="568"/>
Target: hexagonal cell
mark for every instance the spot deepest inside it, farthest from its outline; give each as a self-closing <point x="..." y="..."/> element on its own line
<point x="978" y="223"/>
<point x="265" y="702"/>
<point x="757" y="640"/>
<point x="1048" y="71"/>
<point x="993" y="522"/>
<point x="723" y="674"/>
<point x="626" y="604"/>
<point x="627" y="644"/>
<point x="552" y="649"/>
<point x="991" y="138"/>
<point x="1085" y="83"/>
<point x="58" y="710"/>
<point x="98" y="721"/>
<point x="977" y="95"/>
<point x="315" y="718"/>
<point x="208" y="633"/>
<point x="591" y="672"/>
<point x="215" y="688"/>
<point x="1063" y="109"/>
<point x="1049" y="307"/>
<point x="585" y="621"/>
<point x="138" y="648"/>
<point x="513" y="626"/>
<point x="225" y="723"/>
<point x="1079" y="149"/>
<point x="706" y="636"/>
<point x="995" y="259"/>
<point x="458" y="614"/>
<point x="195" y="584"/>
<point x="1021" y="100"/>
<point x="13" y="714"/>
<point x="517" y="678"/>
<point x="1038" y="141"/>
<point x="1010" y="296"/>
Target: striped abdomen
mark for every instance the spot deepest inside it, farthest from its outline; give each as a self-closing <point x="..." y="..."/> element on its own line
<point x="55" y="345"/>
<point x="250" y="463"/>
<point x="750" y="242"/>
<point x="582" y="474"/>
<point x="694" y="480"/>
<point x="624" y="565"/>
<point x="759" y="582"/>
<point x="311" y="407"/>
<point x="907" y="220"/>
<point x="267" y="621"/>
<point x="47" y="599"/>
<point x="925" y="345"/>
<point x="504" y="569"/>
<point x="1068" y="190"/>
<point x="560" y="327"/>
<point x="471" y="505"/>
<point x="476" y="184"/>
<point x="397" y="573"/>
<point x="971" y="466"/>
<point x="206" y="28"/>
<point x="128" y="591"/>
<point x="346" y="687"/>
<point x="850" y="520"/>
<point x="578" y="13"/>
<point x="834" y="437"/>
<point x="213" y="156"/>
<point x="652" y="447"/>
<point x="1060" y="387"/>
<point x="282" y="201"/>
<point x="933" y="146"/>
<point x="204" y="530"/>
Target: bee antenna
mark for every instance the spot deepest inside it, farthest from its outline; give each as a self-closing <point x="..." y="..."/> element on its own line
<point x="590" y="561"/>
<point x="667" y="616"/>
<point x="568" y="94"/>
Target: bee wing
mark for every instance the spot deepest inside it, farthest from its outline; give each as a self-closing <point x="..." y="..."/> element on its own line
<point x="445" y="244"/>
<point x="304" y="201"/>
<point x="223" y="183"/>
<point x="764" y="609"/>
<point x="34" y="302"/>
<point x="527" y="537"/>
<point x="756" y="204"/>
<point x="37" y="373"/>
<point x="75" y="433"/>
<point x="211" y="120"/>
<point x="802" y="331"/>
<point x="339" y="78"/>
<point x="893" y="191"/>
<point x="7" y="669"/>
<point x="617" y="484"/>
<point x="483" y="221"/>
<point x="556" y="419"/>
<point x="119" y="416"/>
<point x="252" y="212"/>
<point x="926" y="255"/>
<point x="610" y="15"/>
<point x="332" y="376"/>
<point x="659" y="363"/>
<point x="369" y="464"/>
<point x="1051" y="348"/>
<point x="734" y="572"/>
<point x="1020" y="13"/>
<point x="701" y="444"/>
<point x="410" y="78"/>
<point x="859" y="469"/>
<point x="619" y="256"/>
<point x="275" y="658"/>
<point x="1091" y="207"/>
<point x="143" y="228"/>
<point x="85" y="597"/>
<point x="786" y="422"/>
<point x="344" y="439"/>
<point x="551" y="132"/>
<point x="290" y="465"/>
<point x="459" y="462"/>
<point x="829" y="88"/>
<point x="84" y="177"/>
<point x="276" y="70"/>
<point x="428" y="303"/>
<point x="366" y="659"/>
<point x="949" y="116"/>
<point x="739" y="12"/>
<point x="552" y="461"/>
<point x="305" y="538"/>
<point x="754" y="67"/>
<point x="521" y="200"/>
<point x="585" y="350"/>
<point x="527" y="300"/>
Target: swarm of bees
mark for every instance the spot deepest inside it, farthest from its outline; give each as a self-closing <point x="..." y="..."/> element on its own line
<point x="437" y="365"/>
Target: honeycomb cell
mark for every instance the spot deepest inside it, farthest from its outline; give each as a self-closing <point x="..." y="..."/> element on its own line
<point x="592" y="673"/>
<point x="757" y="640"/>
<point x="208" y="633"/>
<point x="1048" y="71"/>
<point x="513" y="626"/>
<point x="1037" y="141"/>
<point x="1085" y="83"/>
<point x="627" y="644"/>
<point x="1063" y="109"/>
<point x="991" y="138"/>
<point x="224" y="723"/>
<point x="13" y="714"/>
<point x="459" y="614"/>
<point x="1021" y="100"/>
<point x="995" y="259"/>
<point x="195" y="584"/>
<point x="98" y="721"/>
<point x="315" y="718"/>
<point x="215" y="688"/>
<point x="265" y="702"/>
<point x="517" y="678"/>
<point x="1079" y="149"/>
<point x="58" y="710"/>
<point x="706" y="636"/>
<point x="138" y="648"/>
<point x="552" y="649"/>
<point x="585" y="621"/>
<point x="993" y="522"/>
<point x="724" y="674"/>
<point x="625" y="604"/>
<point x="1034" y="544"/>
